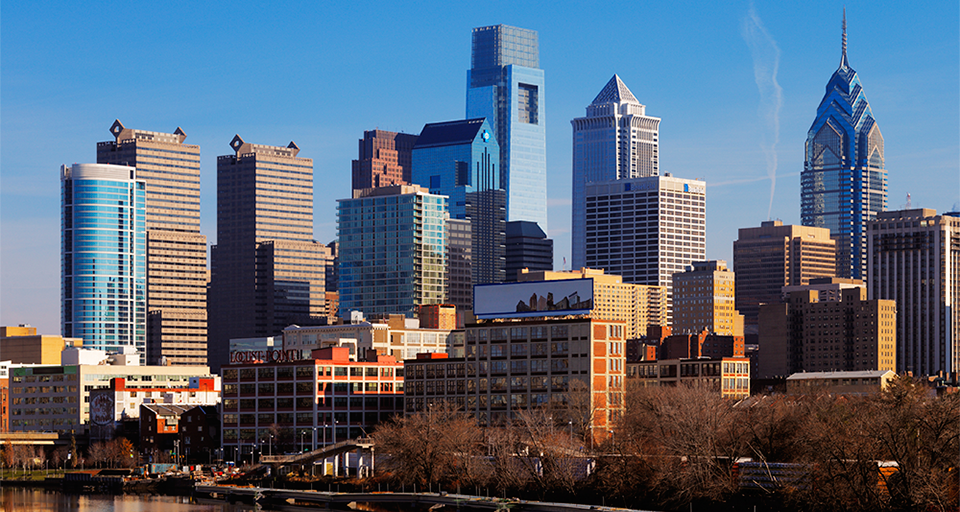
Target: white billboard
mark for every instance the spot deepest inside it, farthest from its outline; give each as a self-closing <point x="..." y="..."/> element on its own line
<point x="533" y="298"/>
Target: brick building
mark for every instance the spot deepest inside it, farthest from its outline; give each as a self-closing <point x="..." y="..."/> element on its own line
<point x="295" y="404"/>
<point x="571" y="364"/>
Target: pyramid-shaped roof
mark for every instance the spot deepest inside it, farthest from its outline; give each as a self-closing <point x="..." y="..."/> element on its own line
<point x="615" y="92"/>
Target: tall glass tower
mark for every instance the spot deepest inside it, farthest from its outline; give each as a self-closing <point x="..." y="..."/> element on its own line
<point x="103" y="256"/>
<point x="505" y="85"/>
<point x="844" y="183"/>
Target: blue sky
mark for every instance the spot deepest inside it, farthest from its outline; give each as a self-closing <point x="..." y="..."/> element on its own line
<point x="736" y="85"/>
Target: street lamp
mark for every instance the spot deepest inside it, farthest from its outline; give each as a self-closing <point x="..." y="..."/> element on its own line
<point x="314" y="438"/>
<point x="302" y="432"/>
<point x="270" y="448"/>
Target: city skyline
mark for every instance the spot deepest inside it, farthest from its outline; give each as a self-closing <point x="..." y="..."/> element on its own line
<point x="194" y="73"/>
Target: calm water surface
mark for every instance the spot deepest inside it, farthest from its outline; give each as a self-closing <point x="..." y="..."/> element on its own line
<point x="16" y="499"/>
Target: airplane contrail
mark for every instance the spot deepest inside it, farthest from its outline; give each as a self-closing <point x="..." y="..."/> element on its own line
<point x="766" y="61"/>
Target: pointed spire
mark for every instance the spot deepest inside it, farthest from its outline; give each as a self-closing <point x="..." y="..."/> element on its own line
<point x="615" y="92"/>
<point x="843" y="57"/>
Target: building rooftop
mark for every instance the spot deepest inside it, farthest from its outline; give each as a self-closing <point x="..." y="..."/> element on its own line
<point x="838" y="375"/>
<point x="615" y="92"/>
<point x="525" y="229"/>
<point x="449" y="133"/>
<point x="168" y="410"/>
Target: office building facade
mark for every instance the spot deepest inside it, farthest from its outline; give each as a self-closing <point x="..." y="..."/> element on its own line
<point x="460" y="264"/>
<point x="505" y="85"/>
<point x="616" y="140"/>
<point x="646" y="229"/>
<point x="176" y="251"/>
<point x="844" y="181"/>
<point x="703" y="300"/>
<point x="103" y="256"/>
<point x="526" y="246"/>
<point x="57" y="398"/>
<point x="384" y="159"/>
<point x="393" y="250"/>
<point x="914" y="259"/>
<point x="806" y="334"/>
<point x="267" y="270"/>
<point x="769" y="257"/>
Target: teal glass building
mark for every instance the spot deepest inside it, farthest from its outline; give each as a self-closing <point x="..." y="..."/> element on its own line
<point x="392" y="250"/>
<point x="103" y="256"/>
<point x="506" y="86"/>
<point x="844" y="182"/>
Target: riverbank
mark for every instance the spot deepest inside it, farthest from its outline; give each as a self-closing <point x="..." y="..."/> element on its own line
<point x="272" y="498"/>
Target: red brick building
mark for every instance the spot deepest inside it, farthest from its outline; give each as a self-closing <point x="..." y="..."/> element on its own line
<point x="292" y="405"/>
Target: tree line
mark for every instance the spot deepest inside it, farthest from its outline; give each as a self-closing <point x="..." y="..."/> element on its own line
<point x="680" y="447"/>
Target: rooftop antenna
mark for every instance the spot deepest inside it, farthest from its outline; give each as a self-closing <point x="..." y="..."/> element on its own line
<point x="843" y="58"/>
<point x="909" y="202"/>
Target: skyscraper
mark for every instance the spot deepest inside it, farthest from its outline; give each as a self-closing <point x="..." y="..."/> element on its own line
<point x="767" y="258"/>
<point x="459" y="160"/>
<point x="703" y="300"/>
<point x="914" y="259"/>
<point x="103" y="256"/>
<point x="383" y="160"/>
<point x="646" y="229"/>
<point x="393" y="249"/>
<point x="849" y="333"/>
<point x="844" y="182"/>
<point x="176" y="251"/>
<point x="505" y="85"/>
<point x="616" y="140"/>
<point x="527" y="247"/>
<point x="267" y="270"/>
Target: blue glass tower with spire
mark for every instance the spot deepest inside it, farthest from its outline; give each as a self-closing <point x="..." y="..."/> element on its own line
<point x="844" y="182"/>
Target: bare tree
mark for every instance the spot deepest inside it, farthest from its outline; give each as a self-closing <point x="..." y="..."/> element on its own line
<point x="436" y="445"/>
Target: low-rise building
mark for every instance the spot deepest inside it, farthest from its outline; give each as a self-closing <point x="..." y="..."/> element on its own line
<point x="121" y="401"/>
<point x="22" y="344"/>
<point x="160" y="429"/>
<point x="200" y="434"/>
<point x="398" y="336"/>
<point x="57" y="398"/>
<point x="574" y="366"/>
<point x="730" y="376"/>
<point x="842" y="383"/>
<point x="291" y="404"/>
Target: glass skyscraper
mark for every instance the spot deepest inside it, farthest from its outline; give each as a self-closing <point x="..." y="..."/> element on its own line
<point x="617" y="140"/>
<point x="103" y="256"/>
<point x="505" y="85"/>
<point x="393" y="249"/>
<point x="844" y="183"/>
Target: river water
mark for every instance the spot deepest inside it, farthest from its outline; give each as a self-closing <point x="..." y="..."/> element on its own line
<point x="17" y="499"/>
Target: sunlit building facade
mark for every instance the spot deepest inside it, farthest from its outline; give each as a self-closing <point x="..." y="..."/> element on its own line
<point x="176" y="251"/>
